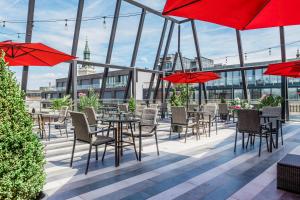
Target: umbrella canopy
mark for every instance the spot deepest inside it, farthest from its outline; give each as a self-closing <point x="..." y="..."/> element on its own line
<point x="32" y="54"/>
<point x="192" y="77"/>
<point x="289" y="69"/>
<point x="238" y="14"/>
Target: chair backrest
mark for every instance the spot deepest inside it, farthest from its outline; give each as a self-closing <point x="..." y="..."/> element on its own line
<point x="193" y="107"/>
<point x="63" y="112"/>
<point x="81" y="127"/>
<point x="91" y="115"/>
<point x="272" y="111"/>
<point x="123" y="107"/>
<point x="153" y="106"/>
<point x="139" y="110"/>
<point x="149" y="118"/>
<point x="179" y="115"/>
<point x="223" y="108"/>
<point x="248" y="121"/>
<point x="210" y="109"/>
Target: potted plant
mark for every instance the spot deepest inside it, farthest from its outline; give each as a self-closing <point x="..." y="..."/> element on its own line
<point x="89" y="100"/>
<point x="21" y="152"/>
<point x="269" y="100"/>
<point x="57" y="104"/>
<point x="131" y="105"/>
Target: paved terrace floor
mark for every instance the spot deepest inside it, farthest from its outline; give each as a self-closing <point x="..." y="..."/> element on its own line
<point x="204" y="169"/>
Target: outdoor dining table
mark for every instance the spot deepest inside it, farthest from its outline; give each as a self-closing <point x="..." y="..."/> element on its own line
<point x="119" y="121"/>
<point x="50" y="116"/>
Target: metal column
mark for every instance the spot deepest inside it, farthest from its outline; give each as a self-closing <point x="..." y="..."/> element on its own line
<point x="74" y="85"/>
<point x="164" y="59"/>
<point x="161" y="41"/>
<point x="284" y="85"/>
<point x="197" y="46"/>
<point x="240" y="49"/>
<point x="169" y="83"/>
<point x="110" y="46"/>
<point x="29" y="26"/>
<point x="179" y="49"/>
<point x="134" y="54"/>
<point x="75" y="43"/>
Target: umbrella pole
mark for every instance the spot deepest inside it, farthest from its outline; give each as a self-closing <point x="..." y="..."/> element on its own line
<point x="187" y="98"/>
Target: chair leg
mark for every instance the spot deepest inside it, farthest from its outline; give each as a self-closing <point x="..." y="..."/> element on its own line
<point x="260" y="140"/>
<point x="249" y="136"/>
<point x="60" y="130"/>
<point x="186" y="130"/>
<point x="96" y="149"/>
<point x="66" y="125"/>
<point x="155" y="134"/>
<point x="268" y="143"/>
<point x="170" y="132"/>
<point x="243" y="142"/>
<point x="73" y="150"/>
<point x="236" y="132"/>
<point x="88" y="160"/>
<point x="133" y="141"/>
<point x="104" y="152"/>
<point x="281" y="133"/>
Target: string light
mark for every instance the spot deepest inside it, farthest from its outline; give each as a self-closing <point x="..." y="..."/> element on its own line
<point x="3" y="23"/>
<point x="66" y="24"/>
<point x="226" y="59"/>
<point x="270" y="52"/>
<point x="245" y="56"/>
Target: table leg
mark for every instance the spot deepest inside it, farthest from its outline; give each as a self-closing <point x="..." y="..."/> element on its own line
<point x="277" y="133"/>
<point x="121" y="138"/>
<point x="209" y="125"/>
<point x="140" y="143"/>
<point x="116" y="147"/>
<point x="49" y="128"/>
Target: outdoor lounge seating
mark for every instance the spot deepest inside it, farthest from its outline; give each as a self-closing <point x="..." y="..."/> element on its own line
<point x="61" y="122"/>
<point x="92" y="119"/>
<point x="249" y="122"/>
<point x="210" y="117"/>
<point x="83" y="133"/>
<point x="223" y="111"/>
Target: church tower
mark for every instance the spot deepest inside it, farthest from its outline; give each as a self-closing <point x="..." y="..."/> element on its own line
<point x="86" y="69"/>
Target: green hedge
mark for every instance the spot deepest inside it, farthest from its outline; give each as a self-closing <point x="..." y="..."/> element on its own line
<point x="21" y="153"/>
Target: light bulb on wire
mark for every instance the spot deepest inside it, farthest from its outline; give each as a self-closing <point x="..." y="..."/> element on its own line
<point x="104" y="22"/>
<point x="66" y="24"/>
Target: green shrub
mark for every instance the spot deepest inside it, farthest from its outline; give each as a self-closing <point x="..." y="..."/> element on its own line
<point x="131" y="105"/>
<point x="21" y="153"/>
<point x="57" y="104"/>
<point x="270" y="100"/>
<point x="90" y="100"/>
<point x="181" y="97"/>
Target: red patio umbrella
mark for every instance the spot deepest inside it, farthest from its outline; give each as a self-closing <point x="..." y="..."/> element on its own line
<point x="191" y="77"/>
<point x="32" y="54"/>
<point x="238" y="14"/>
<point x="288" y="69"/>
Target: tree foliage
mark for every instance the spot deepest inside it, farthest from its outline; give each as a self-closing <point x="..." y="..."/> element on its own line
<point x="21" y="153"/>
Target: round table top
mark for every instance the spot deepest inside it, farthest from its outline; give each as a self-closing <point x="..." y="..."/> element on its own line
<point x="120" y="119"/>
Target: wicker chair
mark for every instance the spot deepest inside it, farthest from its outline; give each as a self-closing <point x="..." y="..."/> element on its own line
<point x="123" y="108"/>
<point x="83" y="133"/>
<point x="180" y="118"/>
<point x="147" y="126"/>
<point x="253" y="127"/>
<point x="139" y="110"/>
<point x="62" y="121"/>
<point x="276" y="122"/>
<point x="92" y="119"/>
<point x="210" y="116"/>
<point x="223" y="111"/>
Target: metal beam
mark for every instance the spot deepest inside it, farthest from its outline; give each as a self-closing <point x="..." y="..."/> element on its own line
<point x="103" y="65"/>
<point x="151" y="10"/>
<point x="197" y="47"/>
<point x="179" y="48"/>
<point x="74" y="85"/>
<point x="284" y="90"/>
<point x="29" y="26"/>
<point x="240" y="49"/>
<point x="173" y="68"/>
<point x="164" y="59"/>
<point x="134" y="54"/>
<point x="75" y="43"/>
<point x="237" y="69"/>
<point x="110" y="46"/>
<point x="161" y="41"/>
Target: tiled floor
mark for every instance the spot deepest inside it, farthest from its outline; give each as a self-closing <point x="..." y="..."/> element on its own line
<point x="204" y="169"/>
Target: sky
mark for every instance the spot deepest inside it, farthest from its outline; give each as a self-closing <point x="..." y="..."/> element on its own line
<point x="216" y="42"/>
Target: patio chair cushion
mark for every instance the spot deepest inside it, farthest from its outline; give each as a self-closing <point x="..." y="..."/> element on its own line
<point x="99" y="139"/>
